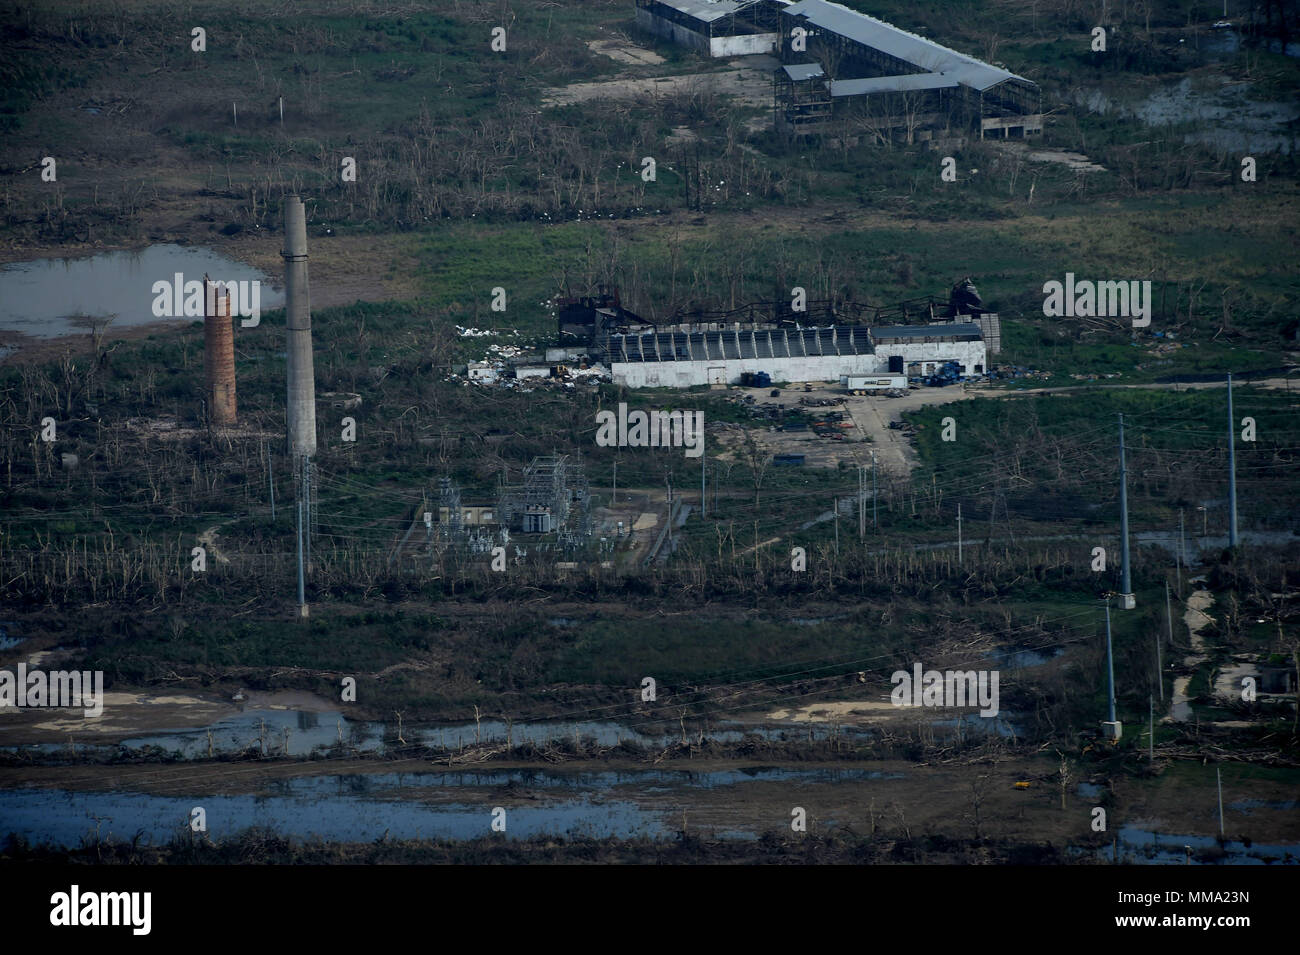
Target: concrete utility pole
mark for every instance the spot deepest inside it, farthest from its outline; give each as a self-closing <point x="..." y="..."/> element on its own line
<point x="1182" y="540"/>
<point x="1178" y="558"/>
<point x="1160" y="672"/>
<point x="1151" y="728"/>
<point x="270" y="483"/>
<point x="1111" y="728"/>
<point x="1110" y="670"/>
<point x="835" y="514"/>
<point x="669" y="481"/>
<point x="959" y="560"/>
<point x="1232" y="472"/>
<point x="1126" y="587"/>
<point x="1169" y="613"/>
<point x="1218" y="775"/>
<point x="862" y="502"/>
<point x="875" y="495"/>
<point x="704" y="490"/>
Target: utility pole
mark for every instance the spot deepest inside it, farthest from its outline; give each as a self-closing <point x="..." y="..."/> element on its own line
<point x="959" y="560"/>
<point x="613" y="497"/>
<point x="1232" y="472"/>
<point x="302" y="589"/>
<point x="1169" y="614"/>
<point x="1218" y="773"/>
<point x="1182" y="550"/>
<point x="1126" y="588"/>
<point x="1110" y="669"/>
<point x="835" y="513"/>
<point x="875" y="495"/>
<point x="862" y="502"/>
<point x="668" y="479"/>
<point x="704" y="467"/>
<point x="1159" y="665"/>
<point x="1178" y="566"/>
<point x="1111" y="728"/>
<point x="269" y="482"/>
<point x="1151" y="728"/>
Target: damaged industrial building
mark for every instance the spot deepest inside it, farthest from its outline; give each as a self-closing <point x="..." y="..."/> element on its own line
<point x="826" y="341"/>
<point x="844" y="67"/>
<point x="887" y="82"/>
<point x="714" y="27"/>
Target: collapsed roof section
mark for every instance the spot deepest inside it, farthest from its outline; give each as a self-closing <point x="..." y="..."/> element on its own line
<point x="737" y="344"/>
<point x="920" y="54"/>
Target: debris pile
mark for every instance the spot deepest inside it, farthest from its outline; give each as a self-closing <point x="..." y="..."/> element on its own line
<point x="465" y="332"/>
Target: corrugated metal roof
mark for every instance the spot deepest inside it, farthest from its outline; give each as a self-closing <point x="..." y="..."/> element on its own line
<point x="803" y="71"/>
<point x="917" y="50"/>
<point x="741" y="343"/>
<point x="706" y="10"/>
<point x="950" y="330"/>
<point x="892" y="84"/>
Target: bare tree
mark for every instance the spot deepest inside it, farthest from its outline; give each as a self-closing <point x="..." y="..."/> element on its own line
<point x="1063" y="777"/>
<point x="757" y="460"/>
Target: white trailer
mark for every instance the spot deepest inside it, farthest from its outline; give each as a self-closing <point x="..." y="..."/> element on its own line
<point x="869" y="384"/>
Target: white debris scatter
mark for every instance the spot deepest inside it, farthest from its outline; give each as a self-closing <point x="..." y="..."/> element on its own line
<point x="464" y="332"/>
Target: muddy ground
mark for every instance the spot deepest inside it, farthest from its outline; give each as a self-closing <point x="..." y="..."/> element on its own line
<point x="870" y="415"/>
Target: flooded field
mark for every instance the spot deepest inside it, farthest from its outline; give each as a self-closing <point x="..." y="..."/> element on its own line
<point x="48" y="298"/>
<point x="1136" y="846"/>
<point x="445" y="805"/>
<point x="1226" y="115"/>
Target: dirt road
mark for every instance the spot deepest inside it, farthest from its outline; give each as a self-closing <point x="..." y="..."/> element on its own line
<point x="747" y="81"/>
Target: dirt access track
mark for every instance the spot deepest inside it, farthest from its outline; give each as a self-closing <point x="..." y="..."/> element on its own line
<point x="871" y="416"/>
<point x="748" y="80"/>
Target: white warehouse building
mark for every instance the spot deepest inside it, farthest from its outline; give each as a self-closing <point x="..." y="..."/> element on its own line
<point x="684" y="359"/>
<point x="924" y="348"/>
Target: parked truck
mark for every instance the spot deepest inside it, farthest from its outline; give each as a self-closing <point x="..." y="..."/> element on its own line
<point x="871" y="384"/>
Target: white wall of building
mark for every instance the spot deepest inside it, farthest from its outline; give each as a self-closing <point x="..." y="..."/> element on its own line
<point x="968" y="354"/>
<point x="749" y="45"/>
<point x="685" y="374"/>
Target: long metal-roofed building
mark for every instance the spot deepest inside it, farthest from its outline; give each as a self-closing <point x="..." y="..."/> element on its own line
<point x="714" y="27"/>
<point x="678" y="359"/>
<point x="890" y="80"/>
<point x="683" y="358"/>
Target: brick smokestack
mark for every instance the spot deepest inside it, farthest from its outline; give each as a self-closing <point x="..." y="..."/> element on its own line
<point x="218" y="354"/>
<point x="297" y="309"/>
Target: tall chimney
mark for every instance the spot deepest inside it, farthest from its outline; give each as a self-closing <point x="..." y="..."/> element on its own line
<point x="302" y="379"/>
<point x="218" y="354"/>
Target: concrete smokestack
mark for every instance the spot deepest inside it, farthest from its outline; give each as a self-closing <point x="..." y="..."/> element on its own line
<point x="297" y="309"/>
<point x="218" y="354"/>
